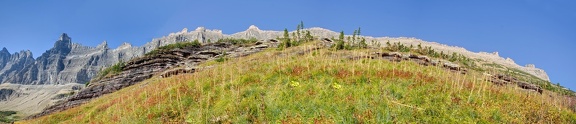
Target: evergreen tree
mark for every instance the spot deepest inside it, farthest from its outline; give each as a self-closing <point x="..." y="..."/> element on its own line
<point x="340" y="42"/>
<point x="297" y="33"/>
<point x="286" y="40"/>
<point x="354" y="35"/>
<point x="295" y="39"/>
<point x="309" y="36"/>
<point x="363" y="44"/>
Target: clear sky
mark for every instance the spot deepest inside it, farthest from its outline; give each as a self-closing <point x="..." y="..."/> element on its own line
<point x="541" y="32"/>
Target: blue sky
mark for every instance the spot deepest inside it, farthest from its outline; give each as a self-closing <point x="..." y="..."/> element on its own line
<point x="542" y="32"/>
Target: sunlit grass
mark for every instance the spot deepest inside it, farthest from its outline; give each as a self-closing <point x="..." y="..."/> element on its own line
<point x="321" y="86"/>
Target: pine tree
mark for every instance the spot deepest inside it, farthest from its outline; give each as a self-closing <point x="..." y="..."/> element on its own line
<point x="297" y="33"/>
<point x="286" y="35"/>
<point x="354" y="35"/>
<point x="286" y="41"/>
<point x="295" y="41"/>
<point x="309" y="36"/>
<point x="363" y="44"/>
<point x="340" y="43"/>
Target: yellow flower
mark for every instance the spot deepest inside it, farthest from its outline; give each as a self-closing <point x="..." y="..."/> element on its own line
<point x="336" y="86"/>
<point x="294" y="84"/>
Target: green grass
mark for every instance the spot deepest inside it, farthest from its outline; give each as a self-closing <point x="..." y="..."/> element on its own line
<point x="322" y="86"/>
<point x="239" y="42"/>
<point x="7" y="116"/>
<point x="112" y="70"/>
<point x="178" y="45"/>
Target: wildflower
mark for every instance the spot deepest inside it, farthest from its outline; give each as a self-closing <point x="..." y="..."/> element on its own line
<point x="294" y="84"/>
<point x="336" y="86"/>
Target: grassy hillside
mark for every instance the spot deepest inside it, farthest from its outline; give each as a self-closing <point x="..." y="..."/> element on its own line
<point x="321" y="86"/>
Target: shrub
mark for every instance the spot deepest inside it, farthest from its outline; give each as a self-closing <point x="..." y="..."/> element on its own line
<point x="239" y="42"/>
<point x="114" y="69"/>
<point x="179" y="45"/>
<point x="222" y="58"/>
<point x="4" y="116"/>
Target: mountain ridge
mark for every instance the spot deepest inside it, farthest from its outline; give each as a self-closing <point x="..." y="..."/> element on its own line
<point x="72" y="63"/>
<point x="203" y="35"/>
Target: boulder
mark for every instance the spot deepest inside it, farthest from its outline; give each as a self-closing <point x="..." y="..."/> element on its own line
<point x="451" y="66"/>
<point x="529" y="86"/>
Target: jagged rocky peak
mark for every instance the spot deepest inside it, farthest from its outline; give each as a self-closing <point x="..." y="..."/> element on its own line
<point x="205" y="30"/>
<point x="4" y="50"/>
<point x="64" y="37"/>
<point x="200" y="29"/>
<point x="185" y="30"/>
<point x="65" y="42"/>
<point x="26" y="53"/>
<point x="253" y="27"/>
<point x="22" y="54"/>
<point x="104" y="45"/>
<point x="124" y="45"/>
<point x="495" y="54"/>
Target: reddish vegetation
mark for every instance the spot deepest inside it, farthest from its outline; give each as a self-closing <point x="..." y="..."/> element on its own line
<point x="343" y="74"/>
<point x="151" y="101"/>
<point x="405" y="75"/>
<point x="425" y="78"/>
<point x="364" y="116"/>
<point x="297" y="70"/>
<point x="455" y="99"/>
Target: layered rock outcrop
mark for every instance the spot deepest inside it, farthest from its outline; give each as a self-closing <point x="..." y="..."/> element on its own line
<point x="502" y="79"/>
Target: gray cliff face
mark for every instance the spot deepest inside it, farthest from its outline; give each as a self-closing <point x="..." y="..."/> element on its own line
<point x="16" y="66"/>
<point x="4" y="56"/>
<point x="65" y="63"/>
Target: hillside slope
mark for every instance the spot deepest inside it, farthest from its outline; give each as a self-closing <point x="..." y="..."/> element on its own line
<point x="312" y="83"/>
<point x="72" y="63"/>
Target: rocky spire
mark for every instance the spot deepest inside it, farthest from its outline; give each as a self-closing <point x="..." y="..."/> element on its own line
<point x="103" y="45"/>
<point x="64" y="37"/>
<point x="4" y="50"/>
<point x="64" y="41"/>
<point x="200" y="29"/>
<point x="124" y="45"/>
<point x="4" y="55"/>
<point x="24" y="54"/>
<point x="253" y="27"/>
<point x="63" y="45"/>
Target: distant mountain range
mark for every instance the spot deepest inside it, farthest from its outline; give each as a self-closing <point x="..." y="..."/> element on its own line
<point x="69" y="62"/>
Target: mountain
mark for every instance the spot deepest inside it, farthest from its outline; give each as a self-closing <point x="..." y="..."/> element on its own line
<point x="69" y="62"/>
<point x="68" y="65"/>
<point x="258" y="81"/>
